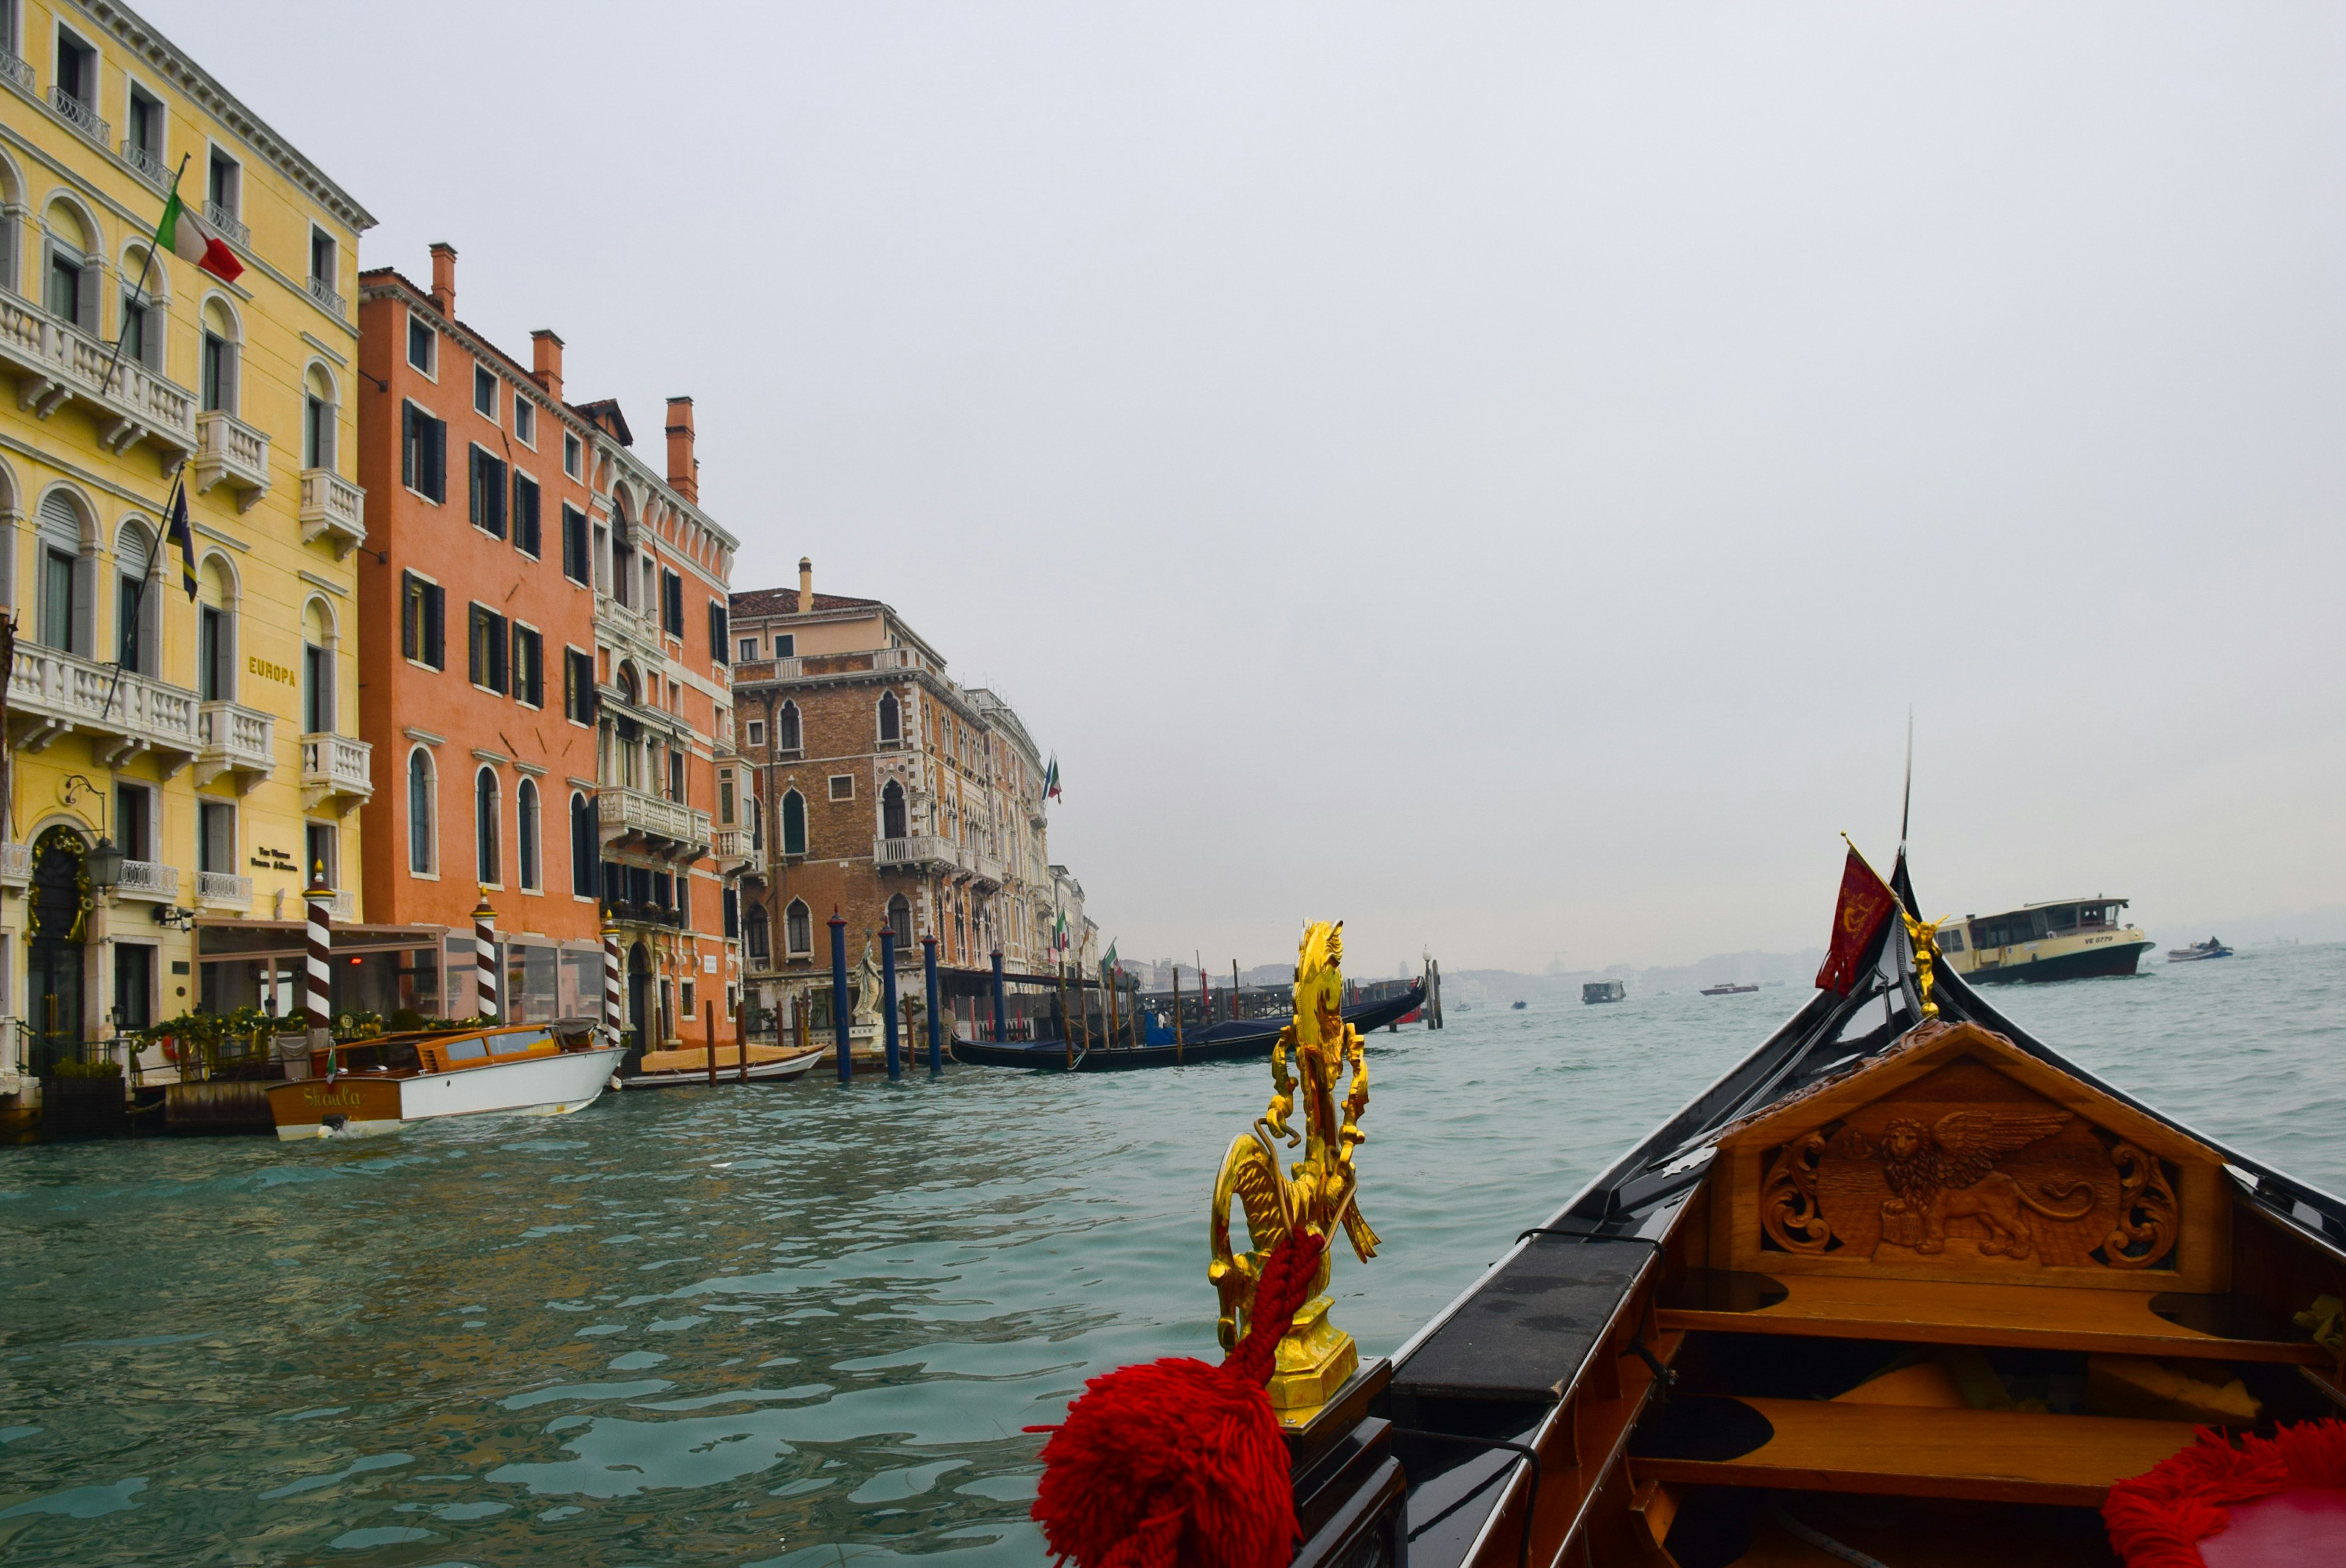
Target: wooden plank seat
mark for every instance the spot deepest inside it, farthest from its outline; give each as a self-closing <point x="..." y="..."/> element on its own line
<point x="2035" y="1317"/>
<point x="1997" y="1456"/>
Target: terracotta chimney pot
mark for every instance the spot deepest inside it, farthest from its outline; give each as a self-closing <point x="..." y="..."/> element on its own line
<point x="806" y="586"/>
<point x="443" y="278"/>
<point x="545" y="362"/>
<point x="683" y="468"/>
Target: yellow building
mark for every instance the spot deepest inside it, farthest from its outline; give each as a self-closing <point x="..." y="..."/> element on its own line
<point x="213" y="742"/>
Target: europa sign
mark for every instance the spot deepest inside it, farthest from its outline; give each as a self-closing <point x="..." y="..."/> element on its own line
<point x="266" y="671"/>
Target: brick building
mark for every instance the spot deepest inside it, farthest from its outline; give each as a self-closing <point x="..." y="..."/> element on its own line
<point x="882" y="788"/>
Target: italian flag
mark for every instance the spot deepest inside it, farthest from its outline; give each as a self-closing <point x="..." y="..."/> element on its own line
<point x="190" y="239"/>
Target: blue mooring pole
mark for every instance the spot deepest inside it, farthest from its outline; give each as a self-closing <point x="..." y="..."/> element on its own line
<point x="997" y="994"/>
<point x="838" y="1013"/>
<point x="929" y="962"/>
<point x="888" y="999"/>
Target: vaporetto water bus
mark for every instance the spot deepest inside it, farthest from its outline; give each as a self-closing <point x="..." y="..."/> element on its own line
<point x="2066" y="939"/>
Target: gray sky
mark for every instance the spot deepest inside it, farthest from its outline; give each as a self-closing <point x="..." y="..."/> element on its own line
<point x="1497" y="476"/>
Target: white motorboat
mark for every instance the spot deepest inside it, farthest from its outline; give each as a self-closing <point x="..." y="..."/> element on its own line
<point x="378" y="1085"/>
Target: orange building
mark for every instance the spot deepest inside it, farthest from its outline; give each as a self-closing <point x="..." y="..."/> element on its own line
<point x="512" y="537"/>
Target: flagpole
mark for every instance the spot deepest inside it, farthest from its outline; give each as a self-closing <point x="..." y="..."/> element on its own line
<point x="106" y="386"/>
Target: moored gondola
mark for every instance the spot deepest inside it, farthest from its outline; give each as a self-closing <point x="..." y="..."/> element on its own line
<point x="1906" y="1285"/>
<point x="1236" y="1040"/>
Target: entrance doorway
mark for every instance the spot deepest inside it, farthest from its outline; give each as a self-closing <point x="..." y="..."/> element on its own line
<point x="639" y="997"/>
<point x="134" y="983"/>
<point x="59" y="920"/>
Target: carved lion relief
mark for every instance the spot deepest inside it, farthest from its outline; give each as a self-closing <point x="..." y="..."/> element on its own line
<point x="1965" y="1162"/>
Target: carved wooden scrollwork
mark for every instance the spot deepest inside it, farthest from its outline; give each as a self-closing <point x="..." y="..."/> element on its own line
<point x="1788" y="1212"/>
<point x="2146" y="1227"/>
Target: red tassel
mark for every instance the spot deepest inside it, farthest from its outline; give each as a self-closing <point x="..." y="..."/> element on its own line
<point x="1178" y="1464"/>
<point x="2157" y="1519"/>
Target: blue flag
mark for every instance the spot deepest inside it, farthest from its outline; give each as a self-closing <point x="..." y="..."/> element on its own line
<point x="178" y="532"/>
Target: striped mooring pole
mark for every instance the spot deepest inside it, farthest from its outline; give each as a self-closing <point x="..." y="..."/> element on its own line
<point x="613" y="1012"/>
<point x="317" y="1001"/>
<point x="484" y="958"/>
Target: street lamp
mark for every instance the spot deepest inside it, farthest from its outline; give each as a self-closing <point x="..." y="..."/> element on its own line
<point x="104" y="863"/>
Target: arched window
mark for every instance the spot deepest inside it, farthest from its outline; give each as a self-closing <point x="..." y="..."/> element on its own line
<point x="485" y="825"/>
<point x="317" y="668"/>
<point x="145" y="312"/>
<point x="786" y="727"/>
<point x="317" y="419"/>
<point x="798" y="929"/>
<point x="581" y="846"/>
<point x="68" y="571"/>
<point x="216" y="631"/>
<point x="420" y="812"/>
<point x="794" y="823"/>
<point x="220" y="356"/>
<point x="900" y="921"/>
<point x="891" y="719"/>
<point x="70" y="268"/>
<point x="756" y="936"/>
<point x="891" y="811"/>
<point x="137" y="603"/>
<point x="525" y="832"/>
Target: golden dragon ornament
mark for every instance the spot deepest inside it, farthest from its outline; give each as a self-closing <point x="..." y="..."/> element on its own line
<point x="1314" y="1194"/>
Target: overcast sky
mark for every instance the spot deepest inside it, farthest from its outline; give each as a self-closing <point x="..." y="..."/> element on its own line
<point x="1497" y="476"/>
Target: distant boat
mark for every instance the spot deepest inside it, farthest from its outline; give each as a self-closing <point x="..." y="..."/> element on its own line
<point x="1726" y="988"/>
<point x="1518" y="1006"/>
<point x="1243" y="1040"/>
<point x="2211" y="948"/>
<point x="2066" y="939"/>
<point x="1597" y="991"/>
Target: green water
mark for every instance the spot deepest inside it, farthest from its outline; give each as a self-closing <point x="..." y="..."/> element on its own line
<point x="803" y="1325"/>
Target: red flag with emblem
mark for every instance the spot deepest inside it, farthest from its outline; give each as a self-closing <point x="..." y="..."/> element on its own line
<point x="1864" y="904"/>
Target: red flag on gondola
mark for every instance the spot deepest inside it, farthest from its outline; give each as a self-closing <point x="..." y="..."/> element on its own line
<point x="1865" y="902"/>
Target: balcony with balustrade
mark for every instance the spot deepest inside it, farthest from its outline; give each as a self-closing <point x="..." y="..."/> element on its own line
<point x="223" y="890"/>
<point x="15" y="69"/>
<point x="52" y="693"/>
<point x="56" y="363"/>
<point x="147" y="163"/>
<point x="916" y="852"/>
<point x="739" y="851"/>
<point x="231" y="227"/>
<point x="149" y="881"/>
<point x="332" y="509"/>
<point x="336" y="770"/>
<point x="326" y="295"/>
<point x="231" y="452"/>
<point x="632" y="820"/>
<point x="235" y="740"/>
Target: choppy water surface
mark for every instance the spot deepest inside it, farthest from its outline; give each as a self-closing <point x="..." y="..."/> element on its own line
<point x="803" y="1325"/>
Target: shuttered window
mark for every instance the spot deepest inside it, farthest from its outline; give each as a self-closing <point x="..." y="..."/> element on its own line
<point x="488" y="493"/>
<point x="485" y="660"/>
<point x="423" y="455"/>
<point x="573" y="545"/>
<point x="422" y="635"/>
<point x="525" y="514"/>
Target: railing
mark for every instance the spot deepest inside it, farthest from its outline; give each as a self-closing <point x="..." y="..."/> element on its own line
<point x="79" y="691"/>
<point x="55" y="361"/>
<point x="80" y="115"/>
<point x="323" y="293"/>
<point x="231" y="227"/>
<point x="987" y="868"/>
<point x="345" y="907"/>
<point x="229" y="449"/>
<point x="15" y="70"/>
<point x="333" y="507"/>
<point x="15" y="862"/>
<point x="914" y="850"/>
<point x="149" y="880"/>
<point x="633" y="812"/>
<point x="738" y="844"/>
<point x="337" y="764"/>
<point x="223" y="888"/>
<point x="232" y="738"/>
<point x="147" y="162"/>
<point x="805" y="665"/>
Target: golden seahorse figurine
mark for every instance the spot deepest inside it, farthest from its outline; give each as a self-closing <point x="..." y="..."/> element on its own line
<point x="1315" y="1193"/>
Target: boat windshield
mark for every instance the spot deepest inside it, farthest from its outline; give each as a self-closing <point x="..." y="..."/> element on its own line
<point x="471" y="1050"/>
<point x="2100" y="917"/>
<point x="376" y="1057"/>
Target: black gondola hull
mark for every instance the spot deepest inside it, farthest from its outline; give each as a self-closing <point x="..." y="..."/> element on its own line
<point x="1249" y="1041"/>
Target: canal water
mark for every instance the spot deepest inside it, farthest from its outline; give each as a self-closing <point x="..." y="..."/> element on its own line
<point x="803" y="1325"/>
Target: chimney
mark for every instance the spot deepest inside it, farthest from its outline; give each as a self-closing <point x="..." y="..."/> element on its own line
<point x="806" y="586"/>
<point x="443" y="278"/>
<point x="545" y="362"/>
<point x="683" y="468"/>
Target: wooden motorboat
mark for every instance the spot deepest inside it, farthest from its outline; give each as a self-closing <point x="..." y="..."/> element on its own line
<point x="2198" y="951"/>
<point x="1900" y="1287"/>
<point x="1729" y="988"/>
<point x="380" y="1084"/>
<point x="1239" y="1039"/>
<point x="684" y="1069"/>
<point x="1597" y="991"/>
